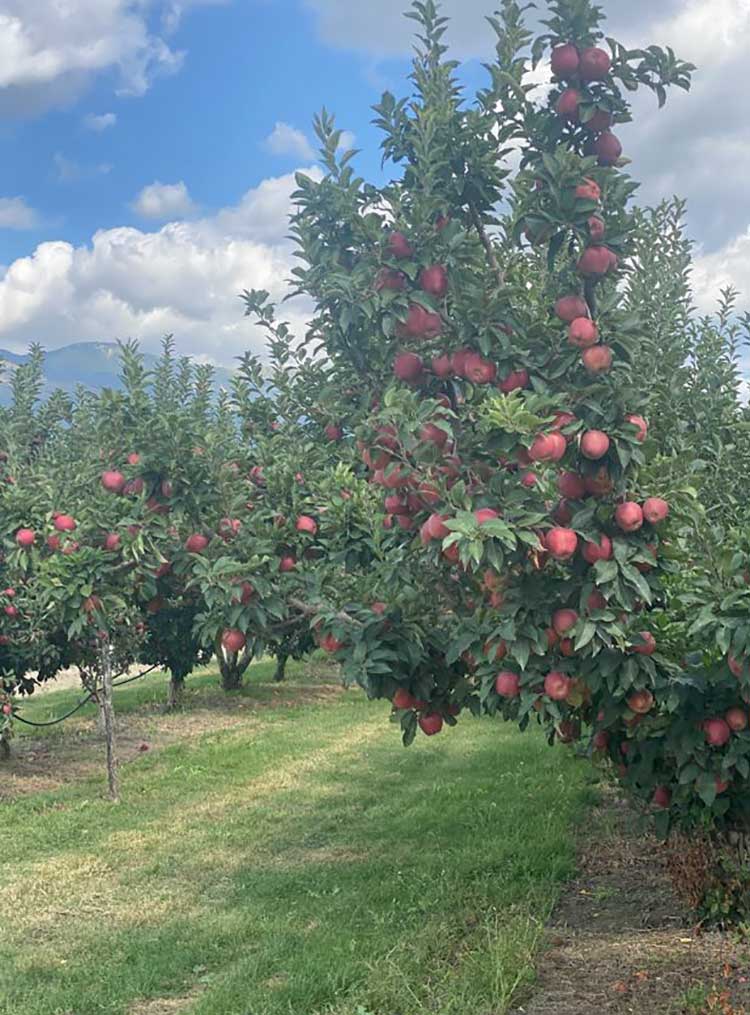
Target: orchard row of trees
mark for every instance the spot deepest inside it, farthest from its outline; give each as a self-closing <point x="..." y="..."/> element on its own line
<point x="503" y="472"/>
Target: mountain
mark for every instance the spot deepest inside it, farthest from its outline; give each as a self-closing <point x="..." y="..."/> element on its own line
<point x="95" y="365"/>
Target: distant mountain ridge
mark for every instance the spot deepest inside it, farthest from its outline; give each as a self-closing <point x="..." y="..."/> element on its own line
<point x="95" y="365"/>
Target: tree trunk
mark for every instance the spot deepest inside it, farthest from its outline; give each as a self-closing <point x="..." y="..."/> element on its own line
<point x="281" y="661"/>
<point x="232" y="666"/>
<point x="5" y="745"/>
<point x="174" y="693"/>
<point x="108" y="718"/>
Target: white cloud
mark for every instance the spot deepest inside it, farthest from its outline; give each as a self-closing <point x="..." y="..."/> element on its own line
<point x="70" y="171"/>
<point x="287" y="140"/>
<point x="183" y="278"/>
<point x="728" y="266"/>
<point x="16" y="214"/>
<point x="50" y="52"/>
<point x="163" y="201"/>
<point x="99" y="122"/>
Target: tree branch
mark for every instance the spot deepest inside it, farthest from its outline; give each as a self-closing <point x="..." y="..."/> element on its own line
<point x="310" y="611"/>
<point x="487" y="244"/>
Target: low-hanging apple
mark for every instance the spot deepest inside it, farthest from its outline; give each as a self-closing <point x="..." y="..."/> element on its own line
<point x="629" y="516"/>
<point x="594" y="445"/>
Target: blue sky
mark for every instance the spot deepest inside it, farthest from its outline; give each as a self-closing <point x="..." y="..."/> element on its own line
<point x="248" y="66"/>
<point x="149" y="147"/>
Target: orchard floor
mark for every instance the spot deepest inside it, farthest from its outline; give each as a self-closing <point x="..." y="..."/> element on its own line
<point x="277" y="852"/>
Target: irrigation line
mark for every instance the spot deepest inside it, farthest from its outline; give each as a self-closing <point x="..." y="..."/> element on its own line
<point x="82" y="702"/>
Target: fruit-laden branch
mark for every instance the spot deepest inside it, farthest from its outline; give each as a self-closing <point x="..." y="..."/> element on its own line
<point x="487" y="244"/>
<point x="311" y="611"/>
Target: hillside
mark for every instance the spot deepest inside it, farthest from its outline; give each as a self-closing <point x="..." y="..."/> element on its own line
<point x="95" y="365"/>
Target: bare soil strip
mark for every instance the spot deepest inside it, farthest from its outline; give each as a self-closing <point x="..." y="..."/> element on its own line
<point x="621" y="943"/>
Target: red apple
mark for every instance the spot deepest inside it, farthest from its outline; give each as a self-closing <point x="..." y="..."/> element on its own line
<point x="233" y="640"/>
<point x="599" y="121"/>
<point x="434" y="280"/>
<point x="735" y="665"/>
<point x="25" y="538"/>
<point x="442" y="367"/>
<point x="508" y="684"/>
<point x="561" y="543"/>
<point x="600" y="484"/>
<point x="564" y="621"/>
<point x="133" y="458"/>
<point x="594" y="445"/>
<point x="431" y="724"/>
<point x="390" y="278"/>
<point x="717" y="732"/>
<point x="568" y="104"/>
<point x="420" y="323"/>
<point x="571" y="486"/>
<point x="64" y="523"/>
<point x="112" y="542"/>
<point x="399" y="246"/>
<point x="436" y="528"/>
<point x="330" y="643"/>
<point x="557" y="686"/>
<point x="306" y="524"/>
<point x="478" y="370"/>
<point x="113" y="481"/>
<point x="662" y="797"/>
<point x="404" y="699"/>
<point x="597" y="229"/>
<point x="607" y="148"/>
<point x="287" y="563"/>
<point x="569" y="308"/>
<point x="196" y="543"/>
<point x="515" y="381"/>
<point x="333" y="432"/>
<point x="565" y="61"/>
<point x="598" y="551"/>
<point x="595" y="64"/>
<point x="583" y="332"/>
<point x="595" y="261"/>
<point x="597" y="359"/>
<point x="647" y="645"/>
<point x="549" y="447"/>
<point x="484" y="515"/>
<point x="655" y="510"/>
<point x="407" y="366"/>
<point x="596" y="601"/>
<point x="589" y="190"/>
<point x="641" y="424"/>
<point x="629" y="516"/>
<point x="641" y="702"/>
<point x="736" y="719"/>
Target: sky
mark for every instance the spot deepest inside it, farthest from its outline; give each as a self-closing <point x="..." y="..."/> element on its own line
<point x="149" y="149"/>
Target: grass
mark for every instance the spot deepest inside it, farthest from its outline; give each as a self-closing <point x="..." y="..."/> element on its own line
<point x="300" y="863"/>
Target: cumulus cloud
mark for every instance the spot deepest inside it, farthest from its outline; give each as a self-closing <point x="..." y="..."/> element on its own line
<point x="163" y="201"/>
<point x="99" y="122"/>
<point x="51" y="52"/>
<point x="15" y="213"/>
<point x="182" y="278"/>
<point x="287" y="140"/>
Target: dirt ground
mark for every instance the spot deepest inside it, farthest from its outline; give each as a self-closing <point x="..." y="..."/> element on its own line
<point x="621" y="943"/>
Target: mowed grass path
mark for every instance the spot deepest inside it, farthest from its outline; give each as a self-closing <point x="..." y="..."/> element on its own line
<point x="303" y="863"/>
